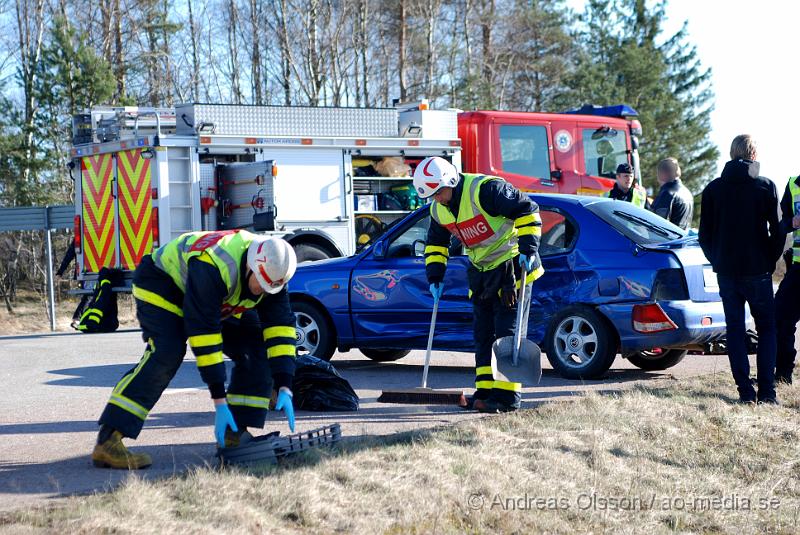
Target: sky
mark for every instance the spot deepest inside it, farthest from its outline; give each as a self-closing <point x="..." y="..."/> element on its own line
<point x="753" y="49"/>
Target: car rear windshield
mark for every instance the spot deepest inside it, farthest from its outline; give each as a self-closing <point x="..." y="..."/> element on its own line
<point x="641" y="226"/>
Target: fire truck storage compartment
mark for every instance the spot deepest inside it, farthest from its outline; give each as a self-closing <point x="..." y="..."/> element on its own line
<point x="247" y="195"/>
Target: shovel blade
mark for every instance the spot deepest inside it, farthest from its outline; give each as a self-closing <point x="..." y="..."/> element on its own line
<point x="529" y="361"/>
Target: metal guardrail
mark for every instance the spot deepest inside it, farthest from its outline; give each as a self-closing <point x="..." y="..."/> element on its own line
<point x="36" y="218"/>
<point x="46" y="218"/>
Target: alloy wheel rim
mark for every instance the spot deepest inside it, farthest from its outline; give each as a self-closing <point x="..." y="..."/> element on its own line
<point x="575" y="342"/>
<point x="307" y="333"/>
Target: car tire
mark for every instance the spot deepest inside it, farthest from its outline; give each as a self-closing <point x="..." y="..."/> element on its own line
<point x="580" y="344"/>
<point x="657" y="359"/>
<point x="309" y="252"/>
<point x="315" y="333"/>
<point x="384" y="355"/>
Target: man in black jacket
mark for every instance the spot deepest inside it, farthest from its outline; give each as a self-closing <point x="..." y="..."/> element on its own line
<point x="740" y="235"/>
<point x="787" y="303"/>
<point x="674" y="201"/>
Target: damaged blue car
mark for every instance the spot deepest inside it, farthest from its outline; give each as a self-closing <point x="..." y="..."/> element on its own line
<point x="618" y="280"/>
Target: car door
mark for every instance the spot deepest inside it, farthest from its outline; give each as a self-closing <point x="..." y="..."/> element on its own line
<point x="553" y="290"/>
<point x="390" y="302"/>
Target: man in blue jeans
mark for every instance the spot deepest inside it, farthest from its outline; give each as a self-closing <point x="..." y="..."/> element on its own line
<point x="741" y="237"/>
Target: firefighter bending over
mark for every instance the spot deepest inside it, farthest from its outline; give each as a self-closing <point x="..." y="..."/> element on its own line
<point x="224" y="292"/>
<point x="500" y="227"/>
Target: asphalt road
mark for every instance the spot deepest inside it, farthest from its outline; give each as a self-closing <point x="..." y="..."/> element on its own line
<point x="56" y="385"/>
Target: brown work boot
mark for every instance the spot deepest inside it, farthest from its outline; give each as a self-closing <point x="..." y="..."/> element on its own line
<point x="113" y="454"/>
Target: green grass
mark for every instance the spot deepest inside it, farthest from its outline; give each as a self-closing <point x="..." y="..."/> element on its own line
<point x="677" y="458"/>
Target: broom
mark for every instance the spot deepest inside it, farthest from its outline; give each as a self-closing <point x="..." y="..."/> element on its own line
<point x="424" y="395"/>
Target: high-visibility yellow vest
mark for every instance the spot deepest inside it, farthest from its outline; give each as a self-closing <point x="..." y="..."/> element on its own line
<point x="639" y="197"/>
<point x="490" y="240"/>
<point x="225" y="250"/>
<point x="794" y="189"/>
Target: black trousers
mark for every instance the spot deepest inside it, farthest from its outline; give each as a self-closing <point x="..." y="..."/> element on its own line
<point x="141" y="387"/>
<point x="787" y="314"/>
<point x="756" y="291"/>
<point x="491" y="320"/>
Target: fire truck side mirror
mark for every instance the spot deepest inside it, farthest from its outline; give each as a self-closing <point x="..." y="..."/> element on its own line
<point x="556" y="175"/>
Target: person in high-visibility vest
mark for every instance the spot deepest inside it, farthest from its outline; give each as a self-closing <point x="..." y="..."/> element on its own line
<point x="223" y="292"/>
<point x="500" y="228"/>
<point x="626" y="188"/>
<point x="787" y="298"/>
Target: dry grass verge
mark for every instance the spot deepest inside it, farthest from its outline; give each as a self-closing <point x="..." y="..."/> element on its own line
<point x="30" y="314"/>
<point x="678" y="458"/>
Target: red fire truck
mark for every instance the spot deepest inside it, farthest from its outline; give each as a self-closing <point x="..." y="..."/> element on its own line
<point x="574" y="152"/>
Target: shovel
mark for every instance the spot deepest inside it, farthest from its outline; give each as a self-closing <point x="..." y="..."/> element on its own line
<point x="518" y="359"/>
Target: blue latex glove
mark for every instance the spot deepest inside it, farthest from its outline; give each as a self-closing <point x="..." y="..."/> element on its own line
<point x="222" y="420"/>
<point x="437" y="289"/>
<point x="284" y="404"/>
<point x="526" y="261"/>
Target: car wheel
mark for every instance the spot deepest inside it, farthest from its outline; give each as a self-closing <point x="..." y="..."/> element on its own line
<point x="315" y="334"/>
<point x="580" y="344"/>
<point x="384" y="355"/>
<point x="308" y="252"/>
<point x="657" y="359"/>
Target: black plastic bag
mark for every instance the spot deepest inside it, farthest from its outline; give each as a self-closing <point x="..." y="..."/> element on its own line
<point x="319" y="387"/>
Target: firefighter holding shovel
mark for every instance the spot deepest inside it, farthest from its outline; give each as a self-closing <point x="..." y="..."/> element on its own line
<point x="223" y="292"/>
<point x="500" y="228"/>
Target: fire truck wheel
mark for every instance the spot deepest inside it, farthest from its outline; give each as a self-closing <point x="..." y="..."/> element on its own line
<point x="309" y="252"/>
<point x="384" y="355"/>
<point x="315" y="333"/>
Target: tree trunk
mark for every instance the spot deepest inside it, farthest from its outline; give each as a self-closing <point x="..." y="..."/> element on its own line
<point x="195" y="56"/>
<point x="364" y="13"/>
<point x="255" y="54"/>
<point x="236" y="89"/>
<point x="401" y="50"/>
<point x="119" y="54"/>
<point x="286" y="70"/>
<point x="30" y="24"/>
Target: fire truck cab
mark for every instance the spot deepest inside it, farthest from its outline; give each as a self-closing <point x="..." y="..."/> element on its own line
<point x="573" y="152"/>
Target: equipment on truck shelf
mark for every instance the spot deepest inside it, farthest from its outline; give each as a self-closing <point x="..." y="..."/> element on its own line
<point x="146" y="175"/>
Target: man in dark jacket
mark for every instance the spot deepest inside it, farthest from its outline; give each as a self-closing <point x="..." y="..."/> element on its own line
<point x="787" y="299"/>
<point x="626" y="188"/>
<point x="674" y="201"/>
<point x="740" y="235"/>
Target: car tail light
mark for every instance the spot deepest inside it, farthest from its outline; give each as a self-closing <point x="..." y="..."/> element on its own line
<point x="77" y="233"/>
<point x="669" y="285"/>
<point x="651" y="319"/>
<point x="154" y="226"/>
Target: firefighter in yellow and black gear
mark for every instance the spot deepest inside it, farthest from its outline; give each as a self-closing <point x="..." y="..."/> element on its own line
<point x="224" y="293"/>
<point x="500" y="228"/>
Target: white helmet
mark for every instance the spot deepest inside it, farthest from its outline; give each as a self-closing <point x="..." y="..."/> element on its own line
<point x="433" y="174"/>
<point x="272" y="261"/>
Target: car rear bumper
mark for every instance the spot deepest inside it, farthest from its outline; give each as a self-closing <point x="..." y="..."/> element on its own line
<point x="698" y="325"/>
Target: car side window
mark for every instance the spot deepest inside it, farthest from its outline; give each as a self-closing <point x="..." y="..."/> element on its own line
<point x="558" y="233"/>
<point x="524" y="150"/>
<point x="411" y="242"/>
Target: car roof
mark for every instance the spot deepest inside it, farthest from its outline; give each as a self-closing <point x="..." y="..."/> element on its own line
<point x="563" y="198"/>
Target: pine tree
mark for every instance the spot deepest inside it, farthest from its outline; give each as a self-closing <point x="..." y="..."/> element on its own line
<point x="624" y="59"/>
